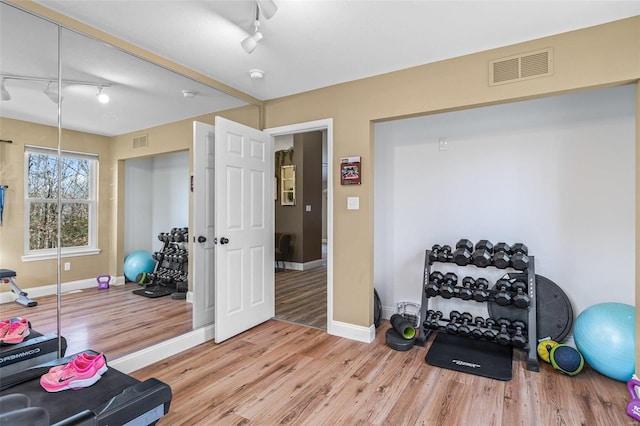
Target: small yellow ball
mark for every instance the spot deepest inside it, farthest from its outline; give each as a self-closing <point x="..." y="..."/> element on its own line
<point x="544" y="349"/>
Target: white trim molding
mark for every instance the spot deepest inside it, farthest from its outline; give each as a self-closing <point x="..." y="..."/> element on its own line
<point x="353" y="332"/>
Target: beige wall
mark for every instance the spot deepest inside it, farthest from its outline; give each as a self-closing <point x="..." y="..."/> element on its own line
<point x="44" y="272"/>
<point x="599" y="56"/>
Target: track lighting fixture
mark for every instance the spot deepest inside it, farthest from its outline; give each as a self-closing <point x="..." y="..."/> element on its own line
<point x="51" y="94"/>
<point x="5" y="93"/>
<point x="250" y="43"/>
<point x="103" y="98"/>
<point x="268" y="8"/>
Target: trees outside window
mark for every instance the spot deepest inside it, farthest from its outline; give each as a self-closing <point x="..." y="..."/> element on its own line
<point x="77" y="185"/>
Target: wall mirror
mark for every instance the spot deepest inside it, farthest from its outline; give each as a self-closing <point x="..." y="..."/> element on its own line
<point x="140" y="138"/>
<point x="288" y="185"/>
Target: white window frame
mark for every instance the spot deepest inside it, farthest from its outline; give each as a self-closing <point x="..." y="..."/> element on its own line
<point x="91" y="248"/>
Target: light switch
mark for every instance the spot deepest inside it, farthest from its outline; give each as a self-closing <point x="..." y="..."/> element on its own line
<point x="353" y="203"/>
<point x="308" y="207"/>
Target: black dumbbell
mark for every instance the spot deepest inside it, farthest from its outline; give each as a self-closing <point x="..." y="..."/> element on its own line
<point x="477" y="332"/>
<point x="433" y="286"/>
<point x="434" y="324"/>
<point x="462" y="255"/>
<point x="503" y="337"/>
<point x="466" y="292"/>
<point x="501" y="257"/>
<point x="161" y="236"/>
<point x="445" y="254"/>
<point x="502" y="295"/>
<point x="452" y="326"/>
<point x="428" y="319"/>
<point x="520" y="257"/>
<point x="464" y="329"/>
<point x="519" y="340"/>
<point x="490" y="333"/>
<point x="447" y="289"/>
<point x="521" y="298"/>
<point x="481" y="290"/>
<point x="481" y="256"/>
<point x="435" y="251"/>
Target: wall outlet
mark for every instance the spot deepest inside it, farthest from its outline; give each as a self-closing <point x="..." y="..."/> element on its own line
<point x="67" y="266"/>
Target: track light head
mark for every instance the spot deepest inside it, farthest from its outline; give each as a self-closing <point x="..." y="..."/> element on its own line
<point x="250" y="43"/>
<point x="52" y="95"/>
<point x="268" y="8"/>
<point x="103" y="98"/>
<point x="5" y="93"/>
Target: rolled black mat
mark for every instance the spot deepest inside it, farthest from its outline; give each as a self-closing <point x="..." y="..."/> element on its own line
<point x="402" y="326"/>
<point x="471" y="356"/>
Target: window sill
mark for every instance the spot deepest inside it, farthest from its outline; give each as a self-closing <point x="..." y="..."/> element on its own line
<point x="66" y="253"/>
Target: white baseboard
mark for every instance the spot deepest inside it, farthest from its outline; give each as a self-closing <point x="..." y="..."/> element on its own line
<point x="388" y="311"/>
<point x="155" y="353"/>
<point x="48" y="290"/>
<point x="295" y="266"/>
<point x="353" y="332"/>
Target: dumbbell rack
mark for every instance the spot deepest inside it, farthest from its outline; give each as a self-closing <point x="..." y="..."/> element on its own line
<point x="530" y="347"/>
<point x="170" y="273"/>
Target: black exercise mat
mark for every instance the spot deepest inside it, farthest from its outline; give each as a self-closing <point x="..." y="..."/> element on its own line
<point x="153" y="292"/>
<point x="471" y="356"/>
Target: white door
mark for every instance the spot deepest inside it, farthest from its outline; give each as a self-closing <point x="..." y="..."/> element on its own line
<point x="203" y="224"/>
<point x="233" y="227"/>
<point x="244" y="289"/>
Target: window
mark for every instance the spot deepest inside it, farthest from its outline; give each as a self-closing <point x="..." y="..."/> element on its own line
<point x="77" y="180"/>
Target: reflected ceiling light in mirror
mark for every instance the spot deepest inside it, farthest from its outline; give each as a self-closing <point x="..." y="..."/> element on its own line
<point x="103" y="98"/>
<point x="51" y="94"/>
<point x="5" y="93"/>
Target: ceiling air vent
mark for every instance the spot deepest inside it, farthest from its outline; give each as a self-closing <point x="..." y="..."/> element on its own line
<point x="140" y="142"/>
<point x="521" y="67"/>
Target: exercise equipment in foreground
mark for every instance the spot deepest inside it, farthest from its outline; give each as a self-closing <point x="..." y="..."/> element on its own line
<point x="605" y="335"/>
<point x="36" y="348"/>
<point x="116" y="399"/>
<point x="6" y="277"/>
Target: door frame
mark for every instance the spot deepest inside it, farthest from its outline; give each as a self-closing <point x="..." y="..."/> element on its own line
<point x="310" y="126"/>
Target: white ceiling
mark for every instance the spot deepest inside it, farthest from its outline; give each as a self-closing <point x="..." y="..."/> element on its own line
<point x="310" y="44"/>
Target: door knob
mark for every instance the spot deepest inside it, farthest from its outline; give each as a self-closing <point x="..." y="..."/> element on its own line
<point x="202" y="239"/>
<point x="224" y="240"/>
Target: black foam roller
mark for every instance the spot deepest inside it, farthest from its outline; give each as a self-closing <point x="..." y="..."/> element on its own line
<point x="402" y="327"/>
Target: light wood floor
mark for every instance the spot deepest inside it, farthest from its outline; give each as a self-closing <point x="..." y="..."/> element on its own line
<point x="282" y="373"/>
<point x="114" y="320"/>
<point x="301" y="297"/>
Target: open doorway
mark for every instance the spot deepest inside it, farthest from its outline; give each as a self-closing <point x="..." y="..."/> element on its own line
<point x="302" y="281"/>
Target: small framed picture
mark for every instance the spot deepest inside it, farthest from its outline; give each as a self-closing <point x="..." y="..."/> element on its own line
<point x="350" y="171"/>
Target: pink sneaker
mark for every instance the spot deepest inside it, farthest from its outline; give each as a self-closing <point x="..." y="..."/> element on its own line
<point x="76" y="374"/>
<point x="4" y="327"/>
<point x="84" y="358"/>
<point x="18" y="330"/>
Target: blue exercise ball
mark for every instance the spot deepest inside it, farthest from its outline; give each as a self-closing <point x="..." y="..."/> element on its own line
<point x="605" y="335"/>
<point x="138" y="262"/>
